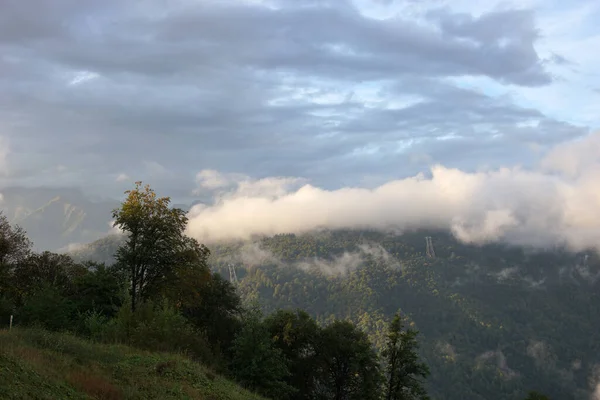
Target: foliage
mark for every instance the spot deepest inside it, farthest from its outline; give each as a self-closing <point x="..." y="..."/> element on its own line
<point x="403" y="369"/>
<point x="156" y="244"/>
<point x="215" y="311"/>
<point x="100" y="289"/>
<point x="296" y="334"/>
<point x="15" y="246"/>
<point x="156" y="327"/>
<point x="48" y="308"/>
<point x="44" y="270"/>
<point x="347" y="367"/>
<point x="256" y="363"/>
<point x="494" y="321"/>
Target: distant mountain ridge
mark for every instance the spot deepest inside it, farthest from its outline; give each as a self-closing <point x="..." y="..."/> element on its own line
<point x="57" y="218"/>
<point x="61" y="219"/>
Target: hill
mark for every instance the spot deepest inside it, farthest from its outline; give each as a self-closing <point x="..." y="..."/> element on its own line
<point x="43" y="365"/>
<point x="101" y="250"/>
<point x="57" y="218"/>
<point x="496" y="321"/>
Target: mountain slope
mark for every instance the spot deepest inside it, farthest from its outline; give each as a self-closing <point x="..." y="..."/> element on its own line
<point x="495" y="321"/>
<point x="56" y="218"/>
<point x="36" y="364"/>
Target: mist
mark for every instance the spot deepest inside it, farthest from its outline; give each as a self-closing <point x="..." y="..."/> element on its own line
<point x="555" y="203"/>
<point x="253" y="254"/>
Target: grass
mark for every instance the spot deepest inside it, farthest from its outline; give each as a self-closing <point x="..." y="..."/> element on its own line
<point x="37" y="364"/>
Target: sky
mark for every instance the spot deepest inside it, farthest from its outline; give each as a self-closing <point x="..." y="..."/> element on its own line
<point x="310" y="101"/>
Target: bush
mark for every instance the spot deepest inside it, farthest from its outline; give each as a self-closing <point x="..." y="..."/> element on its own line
<point x="94" y="325"/>
<point x="151" y="327"/>
<point x="47" y="308"/>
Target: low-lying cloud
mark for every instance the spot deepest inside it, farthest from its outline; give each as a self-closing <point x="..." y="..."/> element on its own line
<point x="253" y="254"/>
<point x="556" y="203"/>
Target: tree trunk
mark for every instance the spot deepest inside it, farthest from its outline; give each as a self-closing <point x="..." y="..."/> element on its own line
<point x="134" y="292"/>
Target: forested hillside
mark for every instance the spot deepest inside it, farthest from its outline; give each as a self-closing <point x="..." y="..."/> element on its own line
<point x="495" y="321"/>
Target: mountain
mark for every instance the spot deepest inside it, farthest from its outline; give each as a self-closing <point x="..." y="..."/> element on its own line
<point x="61" y="219"/>
<point x="101" y="250"/>
<point x="495" y="321"/>
<point x="57" y="218"/>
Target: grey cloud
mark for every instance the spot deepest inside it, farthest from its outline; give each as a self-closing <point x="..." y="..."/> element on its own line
<point x="193" y="86"/>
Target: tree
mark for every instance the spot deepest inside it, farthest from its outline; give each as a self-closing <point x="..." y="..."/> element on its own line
<point x="101" y="290"/>
<point x="295" y="333"/>
<point x="347" y="365"/>
<point x="256" y="363"/>
<point x="15" y="246"/>
<point x="47" y="307"/>
<point x="155" y="244"/>
<point x="215" y="310"/>
<point x="43" y="270"/>
<point x="403" y="367"/>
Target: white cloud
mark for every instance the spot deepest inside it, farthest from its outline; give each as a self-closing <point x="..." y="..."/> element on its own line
<point x="115" y="230"/>
<point x="211" y="179"/>
<point x="232" y="185"/>
<point x="532" y="207"/>
<point x="122" y="177"/>
<point x="82" y="77"/>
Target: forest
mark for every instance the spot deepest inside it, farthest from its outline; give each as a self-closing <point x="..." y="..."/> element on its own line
<point x="494" y="321"/>
<point x="324" y="315"/>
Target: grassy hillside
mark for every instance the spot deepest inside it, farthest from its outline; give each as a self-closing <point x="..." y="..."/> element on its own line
<point x="36" y="364"/>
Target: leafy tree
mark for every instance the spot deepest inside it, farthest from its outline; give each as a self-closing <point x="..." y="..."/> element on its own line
<point x="215" y="309"/>
<point x="101" y="290"/>
<point x="15" y="246"/>
<point x="403" y="367"/>
<point x="256" y="363"/>
<point x="347" y="365"/>
<point x="44" y="270"/>
<point x="296" y="334"/>
<point x="47" y="307"/>
<point x="155" y="244"/>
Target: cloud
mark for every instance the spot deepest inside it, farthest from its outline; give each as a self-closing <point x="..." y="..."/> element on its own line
<point x="501" y="363"/>
<point x="253" y="254"/>
<point x="513" y="205"/>
<point x="122" y="177"/>
<point x="72" y="247"/>
<point x="114" y="230"/>
<point x="542" y="354"/>
<point x="244" y="186"/>
<point x="370" y="93"/>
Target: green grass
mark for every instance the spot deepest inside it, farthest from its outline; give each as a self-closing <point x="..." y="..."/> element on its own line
<point x="37" y="364"/>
